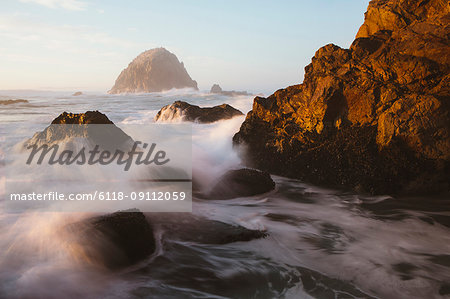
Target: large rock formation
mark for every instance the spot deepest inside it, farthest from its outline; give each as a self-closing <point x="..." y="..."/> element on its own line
<point x="182" y="111"/>
<point x="152" y="71"/>
<point x="374" y="117"/>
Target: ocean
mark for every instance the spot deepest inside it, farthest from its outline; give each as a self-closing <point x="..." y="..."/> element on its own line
<point x="321" y="243"/>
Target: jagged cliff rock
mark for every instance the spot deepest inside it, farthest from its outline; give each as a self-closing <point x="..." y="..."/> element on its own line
<point x="374" y="117"/>
<point x="152" y="71"/>
<point x="182" y="111"/>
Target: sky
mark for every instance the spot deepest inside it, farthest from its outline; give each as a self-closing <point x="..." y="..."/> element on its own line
<point x="259" y="46"/>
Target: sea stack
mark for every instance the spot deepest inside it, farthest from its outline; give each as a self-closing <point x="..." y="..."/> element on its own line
<point x="216" y="89"/>
<point x="154" y="70"/>
<point x="373" y="118"/>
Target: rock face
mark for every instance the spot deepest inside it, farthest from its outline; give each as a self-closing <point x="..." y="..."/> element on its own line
<point x="182" y="111"/>
<point x="374" y="117"/>
<point x="153" y="71"/>
<point x="115" y="240"/>
<point x="241" y="183"/>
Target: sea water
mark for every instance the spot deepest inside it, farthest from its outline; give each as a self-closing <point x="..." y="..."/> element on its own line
<point x="321" y="243"/>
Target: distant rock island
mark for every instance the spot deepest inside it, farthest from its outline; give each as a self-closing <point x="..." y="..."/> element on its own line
<point x="374" y="118"/>
<point x="153" y="71"/>
<point x="10" y="102"/>
<point x="78" y="93"/>
<point x="217" y="89"/>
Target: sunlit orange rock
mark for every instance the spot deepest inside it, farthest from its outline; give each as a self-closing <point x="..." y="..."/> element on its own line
<point x="374" y="117"/>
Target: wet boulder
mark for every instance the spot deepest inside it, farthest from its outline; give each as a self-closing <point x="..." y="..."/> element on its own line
<point x="114" y="240"/>
<point x="183" y="111"/>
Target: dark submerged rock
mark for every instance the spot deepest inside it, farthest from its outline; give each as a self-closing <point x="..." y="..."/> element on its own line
<point x="374" y="117"/>
<point x="241" y="183"/>
<point x="124" y="238"/>
<point x="187" y="112"/>
<point x="115" y="240"/>
<point x="193" y="228"/>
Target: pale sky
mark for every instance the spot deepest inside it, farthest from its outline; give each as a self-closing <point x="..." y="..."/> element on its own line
<point x="258" y="46"/>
